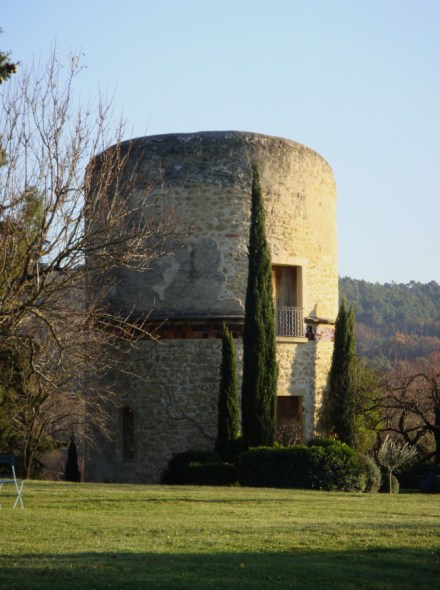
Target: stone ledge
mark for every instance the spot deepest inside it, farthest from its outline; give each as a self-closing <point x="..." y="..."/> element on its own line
<point x="292" y="339"/>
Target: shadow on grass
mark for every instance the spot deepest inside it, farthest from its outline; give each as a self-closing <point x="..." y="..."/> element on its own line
<point x="372" y="568"/>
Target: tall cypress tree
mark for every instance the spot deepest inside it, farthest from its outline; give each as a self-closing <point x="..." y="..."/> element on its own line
<point x="228" y="409"/>
<point x="340" y="406"/>
<point x="72" y="472"/>
<point x="259" y="386"/>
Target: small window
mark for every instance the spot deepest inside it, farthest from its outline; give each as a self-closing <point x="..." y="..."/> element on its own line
<point x="287" y="292"/>
<point x="127" y="433"/>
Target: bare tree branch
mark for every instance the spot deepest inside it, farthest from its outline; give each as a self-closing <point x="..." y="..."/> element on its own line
<point x="69" y="220"/>
<point x="411" y="404"/>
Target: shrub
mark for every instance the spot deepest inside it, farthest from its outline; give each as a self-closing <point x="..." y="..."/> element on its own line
<point x="176" y="471"/>
<point x="230" y="453"/>
<point x="336" y="466"/>
<point x="211" y="474"/>
<point x="414" y="477"/>
<point x="329" y="466"/>
<point x="275" y="467"/>
<point x="385" y="487"/>
<point x="322" y="441"/>
<point x="373" y="477"/>
<point x="431" y="485"/>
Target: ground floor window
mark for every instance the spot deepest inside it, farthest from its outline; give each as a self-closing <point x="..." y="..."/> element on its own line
<point x="289" y="419"/>
<point x="127" y="419"/>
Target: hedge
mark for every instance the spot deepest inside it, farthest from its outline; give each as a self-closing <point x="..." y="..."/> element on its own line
<point x="176" y="471"/>
<point x="269" y="467"/>
<point x="211" y="474"/>
<point x="328" y="465"/>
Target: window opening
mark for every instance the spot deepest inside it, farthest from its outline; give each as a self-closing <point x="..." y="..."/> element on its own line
<point x="127" y="433"/>
<point x="289" y="419"/>
<point x="287" y="291"/>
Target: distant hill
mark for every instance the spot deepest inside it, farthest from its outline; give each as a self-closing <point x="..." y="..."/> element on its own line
<point x="394" y="321"/>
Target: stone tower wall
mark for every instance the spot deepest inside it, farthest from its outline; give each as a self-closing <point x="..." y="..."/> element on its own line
<point x="205" y="178"/>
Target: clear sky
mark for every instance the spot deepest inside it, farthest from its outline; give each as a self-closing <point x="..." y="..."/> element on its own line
<point x="356" y="80"/>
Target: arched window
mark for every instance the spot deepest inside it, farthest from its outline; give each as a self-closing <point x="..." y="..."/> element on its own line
<point x="127" y="419"/>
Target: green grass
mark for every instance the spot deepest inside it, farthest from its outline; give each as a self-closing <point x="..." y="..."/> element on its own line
<point x="75" y="536"/>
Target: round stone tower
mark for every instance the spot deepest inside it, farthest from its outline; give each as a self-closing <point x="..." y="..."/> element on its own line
<point x="205" y="180"/>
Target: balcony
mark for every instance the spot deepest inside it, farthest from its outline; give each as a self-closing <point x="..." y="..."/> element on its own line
<point x="290" y="321"/>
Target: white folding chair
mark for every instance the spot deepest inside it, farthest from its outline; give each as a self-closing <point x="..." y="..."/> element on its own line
<point x="8" y="460"/>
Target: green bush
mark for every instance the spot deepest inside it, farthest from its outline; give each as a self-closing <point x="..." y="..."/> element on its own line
<point x="275" y="467"/>
<point x="328" y="466"/>
<point x="211" y="474"/>
<point x="322" y="441"/>
<point x="431" y="485"/>
<point x="336" y="467"/>
<point x="414" y="476"/>
<point x="230" y="451"/>
<point x="176" y="471"/>
<point x="385" y="487"/>
<point x="373" y="477"/>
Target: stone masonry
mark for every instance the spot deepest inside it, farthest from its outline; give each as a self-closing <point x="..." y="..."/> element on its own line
<point x="206" y="179"/>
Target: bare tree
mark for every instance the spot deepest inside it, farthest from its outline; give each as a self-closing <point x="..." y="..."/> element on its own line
<point x="411" y="404"/>
<point x="68" y="221"/>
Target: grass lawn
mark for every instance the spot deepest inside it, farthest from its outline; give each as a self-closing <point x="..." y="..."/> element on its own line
<point x="75" y="536"/>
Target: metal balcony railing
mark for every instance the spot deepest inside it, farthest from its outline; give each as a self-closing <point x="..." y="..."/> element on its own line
<point x="290" y="321"/>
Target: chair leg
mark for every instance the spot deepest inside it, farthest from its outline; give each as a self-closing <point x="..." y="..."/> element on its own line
<point x="19" y="499"/>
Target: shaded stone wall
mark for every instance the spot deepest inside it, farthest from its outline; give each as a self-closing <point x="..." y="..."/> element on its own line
<point x="175" y="408"/>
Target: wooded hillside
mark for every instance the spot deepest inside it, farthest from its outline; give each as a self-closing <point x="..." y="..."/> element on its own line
<point x="394" y="321"/>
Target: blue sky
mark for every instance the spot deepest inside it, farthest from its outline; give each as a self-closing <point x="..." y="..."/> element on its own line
<point x="356" y="80"/>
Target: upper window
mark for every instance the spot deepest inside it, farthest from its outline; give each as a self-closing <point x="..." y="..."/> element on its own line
<point x="287" y="291"/>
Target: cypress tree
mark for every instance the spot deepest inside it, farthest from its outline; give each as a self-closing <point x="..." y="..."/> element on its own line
<point x="72" y="472"/>
<point x="258" y="398"/>
<point x="340" y="406"/>
<point x="228" y="410"/>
